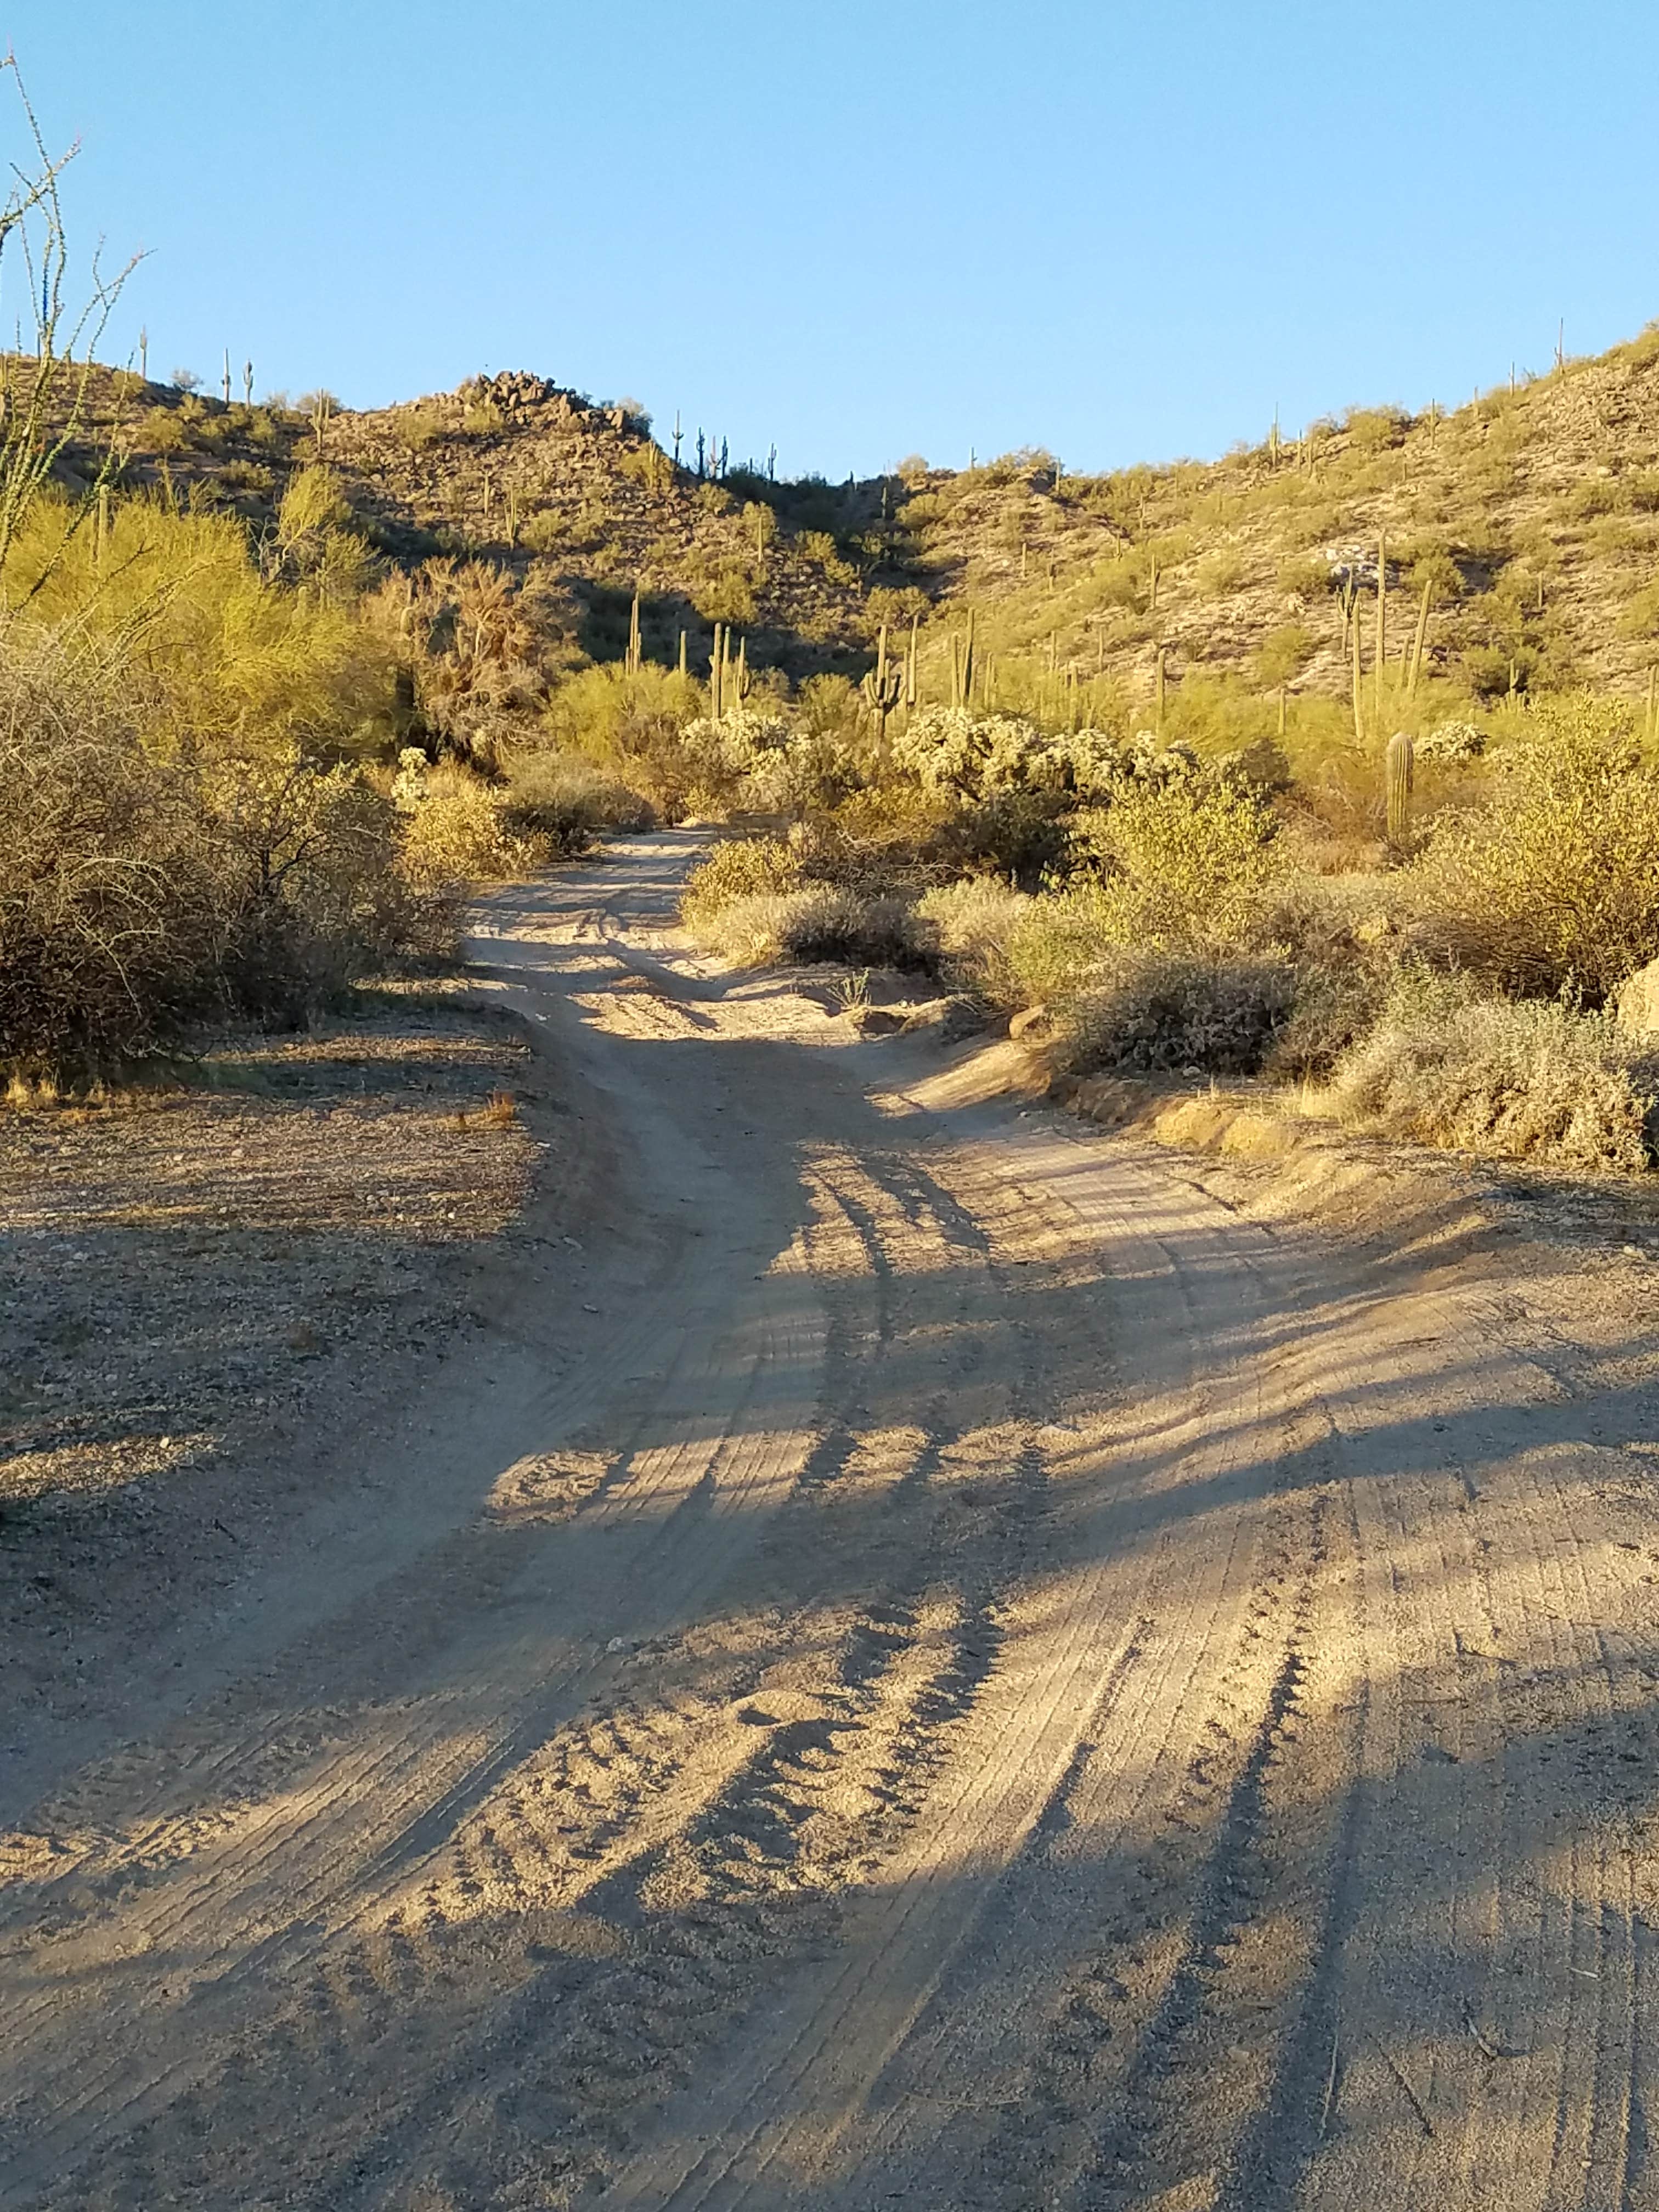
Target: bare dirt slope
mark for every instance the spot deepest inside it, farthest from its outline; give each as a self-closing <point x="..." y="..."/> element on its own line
<point x="927" y="1657"/>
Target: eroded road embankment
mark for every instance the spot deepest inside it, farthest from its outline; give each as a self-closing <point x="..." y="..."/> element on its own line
<point x="928" y="1660"/>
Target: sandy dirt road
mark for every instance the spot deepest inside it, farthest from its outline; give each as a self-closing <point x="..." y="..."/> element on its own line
<point x="927" y="1660"/>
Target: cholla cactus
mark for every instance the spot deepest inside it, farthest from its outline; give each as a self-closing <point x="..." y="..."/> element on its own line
<point x="408" y="786"/>
<point x="1452" y="743"/>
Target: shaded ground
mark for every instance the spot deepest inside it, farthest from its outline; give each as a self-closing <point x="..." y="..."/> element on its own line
<point x="925" y="1656"/>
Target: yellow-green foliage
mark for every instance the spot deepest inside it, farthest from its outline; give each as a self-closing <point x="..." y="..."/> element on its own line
<point x="1187" y="860"/>
<point x="223" y="653"/>
<point x="1443" y="1066"/>
<point x="459" y="830"/>
<point x="745" y="868"/>
<point x="1555" y="884"/>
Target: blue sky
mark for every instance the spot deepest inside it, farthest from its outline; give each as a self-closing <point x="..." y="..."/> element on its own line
<point x="860" y="231"/>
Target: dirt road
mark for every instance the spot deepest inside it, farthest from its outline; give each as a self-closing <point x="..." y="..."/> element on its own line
<point x="926" y="1659"/>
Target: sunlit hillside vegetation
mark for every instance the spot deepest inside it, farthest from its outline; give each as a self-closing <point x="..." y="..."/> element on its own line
<point x="1333" y="761"/>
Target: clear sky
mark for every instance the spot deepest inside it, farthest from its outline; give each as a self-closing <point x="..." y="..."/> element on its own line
<point x="866" y="228"/>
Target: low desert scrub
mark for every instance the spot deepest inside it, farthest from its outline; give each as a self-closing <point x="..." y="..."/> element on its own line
<point x="139" y="894"/>
<point x="568" y="800"/>
<point x="1156" y="1009"/>
<point x="816" y="922"/>
<point x="745" y="868"/>
<point x="1555" y="882"/>
<point x="1531" y="1080"/>
<point x="459" y="829"/>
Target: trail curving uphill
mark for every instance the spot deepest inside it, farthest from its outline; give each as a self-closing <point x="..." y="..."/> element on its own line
<point x="930" y="1661"/>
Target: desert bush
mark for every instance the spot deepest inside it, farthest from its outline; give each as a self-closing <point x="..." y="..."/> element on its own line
<point x="1155" y="1009"/>
<point x="814" y="923"/>
<point x="1184" y="861"/>
<point x="742" y="868"/>
<point x="1284" y="654"/>
<point x="567" y="800"/>
<point x="973" y="924"/>
<point x="635" y="725"/>
<point x="139" y="894"/>
<point x="215" y="652"/>
<point x="1220" y="571"/>
<point x="1537" y="1080"/>
<point x="461" y="831"/>
<point x="1555" y="882"/>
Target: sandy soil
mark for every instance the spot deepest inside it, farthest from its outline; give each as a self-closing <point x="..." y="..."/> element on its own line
<point x="923" y="1653"/>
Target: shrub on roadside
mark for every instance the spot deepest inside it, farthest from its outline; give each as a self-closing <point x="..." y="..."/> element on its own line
<point x="742" y="868"/>
<point x="1555" y="883"/>
<point x="1155" y="1009"/>
<point x="138" y="893"/>
<point x="459" y="830"/>
<point x="816" y="922"/>
<point x="1535" y="1080"/>
<point x="566" y="800"/>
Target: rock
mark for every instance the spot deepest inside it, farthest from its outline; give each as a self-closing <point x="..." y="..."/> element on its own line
<point x="1637" y="1003"/>
<point x="877" y="1021"/>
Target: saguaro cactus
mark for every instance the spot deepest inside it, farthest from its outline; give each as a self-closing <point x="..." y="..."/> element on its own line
<point x="962" y="667"/>
<point x="716" y="672"/>
<point x="1382" y="622"/>
<point x="1401" y="762"/>
<point x="634" y="656"/>
<point x="882" y="688"/>
<point x="1420" y="640"/>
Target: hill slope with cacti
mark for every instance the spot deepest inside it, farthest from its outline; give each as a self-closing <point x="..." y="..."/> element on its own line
<point x="1519" y="537"/>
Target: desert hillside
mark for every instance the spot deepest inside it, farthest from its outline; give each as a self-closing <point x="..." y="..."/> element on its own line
<point x="1529" y="516"/>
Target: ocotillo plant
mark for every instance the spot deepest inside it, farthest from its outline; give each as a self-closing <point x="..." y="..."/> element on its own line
<point x="1401" y="760"/>
<point x="882" y="688"/>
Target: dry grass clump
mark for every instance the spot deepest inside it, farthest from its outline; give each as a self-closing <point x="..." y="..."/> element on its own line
<point x="1529" y="1080"/>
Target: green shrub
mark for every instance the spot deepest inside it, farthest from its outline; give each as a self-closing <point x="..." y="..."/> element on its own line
<point x="1155" y="1009"/>
<point x="1185" y="860"/>
<point x="742" y="868"/>
<point x="816" y="922"/>
<point x="1555" y="884"/>
<point x="566" y="800"/>
<point x="1532" y="1081"/>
